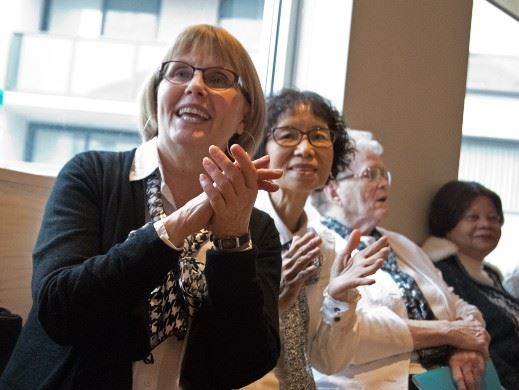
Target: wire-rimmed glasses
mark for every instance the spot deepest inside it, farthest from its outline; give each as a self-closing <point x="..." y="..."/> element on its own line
<point x="370" y="173"/>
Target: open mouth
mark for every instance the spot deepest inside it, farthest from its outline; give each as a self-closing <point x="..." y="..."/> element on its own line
<point x="191" y="113"/>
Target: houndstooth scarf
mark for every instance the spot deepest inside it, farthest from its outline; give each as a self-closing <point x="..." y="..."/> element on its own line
<point x="175" y="301"/>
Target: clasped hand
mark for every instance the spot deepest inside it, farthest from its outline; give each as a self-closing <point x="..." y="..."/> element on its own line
<point x="467" y="368"/>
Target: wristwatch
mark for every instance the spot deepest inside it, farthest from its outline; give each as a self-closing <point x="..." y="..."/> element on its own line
<point x="230" y="242"/>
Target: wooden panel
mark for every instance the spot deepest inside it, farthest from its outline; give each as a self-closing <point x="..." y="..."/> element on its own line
<point x="22" y="199"/>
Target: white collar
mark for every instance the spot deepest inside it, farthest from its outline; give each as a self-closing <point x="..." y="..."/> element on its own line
<point x="146" y="160"/>
<point x="438" y="248"/>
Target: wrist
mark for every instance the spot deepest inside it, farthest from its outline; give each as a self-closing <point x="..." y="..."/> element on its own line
<point x="171" y="224"/>
<point x="447" y="332"/>
<point x="333" y="309"/>
<point x="340" y="292"/>
<point x="232" y="243"/>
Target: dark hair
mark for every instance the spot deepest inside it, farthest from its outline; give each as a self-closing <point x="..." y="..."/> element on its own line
<point x="452" y="201"/>
<point x="287" y="100"/>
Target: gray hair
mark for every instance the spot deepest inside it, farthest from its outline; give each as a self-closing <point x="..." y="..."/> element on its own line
<point x="363" y="141"/>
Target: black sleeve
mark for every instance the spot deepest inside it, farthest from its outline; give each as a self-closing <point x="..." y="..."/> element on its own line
<point x="239" y="320"/>
<point x="83" y="292"/>
<point x="508" y="375"/>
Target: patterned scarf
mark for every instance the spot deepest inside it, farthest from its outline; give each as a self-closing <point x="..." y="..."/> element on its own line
<point x="293" y="370"/>
<point x="175" y="301"/>
<point x="416" y="304"/>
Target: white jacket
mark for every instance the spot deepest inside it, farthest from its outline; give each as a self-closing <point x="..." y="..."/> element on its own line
<point x="375" y="352"/>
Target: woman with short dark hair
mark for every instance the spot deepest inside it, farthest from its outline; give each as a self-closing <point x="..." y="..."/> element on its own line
<point x="465" y="219"/>
<point x="452" y="201"/>
<point x="307" y="139"/>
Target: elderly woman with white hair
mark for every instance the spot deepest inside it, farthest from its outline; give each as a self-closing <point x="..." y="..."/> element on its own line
<point x="409" y="320"/>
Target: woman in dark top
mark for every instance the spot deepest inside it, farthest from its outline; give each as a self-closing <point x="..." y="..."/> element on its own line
<point x="151" y="265"/>
<point x="465" y="220"/>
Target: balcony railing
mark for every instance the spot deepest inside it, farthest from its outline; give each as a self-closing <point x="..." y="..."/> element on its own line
<point x="80" y="67"/>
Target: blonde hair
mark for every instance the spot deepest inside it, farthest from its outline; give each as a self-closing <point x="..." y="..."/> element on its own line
<point x="222" y="46"/>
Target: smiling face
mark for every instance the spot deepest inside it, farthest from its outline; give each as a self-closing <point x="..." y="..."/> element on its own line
<point x="361" y="201"/>
<point x="305" y="167"/>
<point x="479" y="229"/>
<point x="192" y="115"/>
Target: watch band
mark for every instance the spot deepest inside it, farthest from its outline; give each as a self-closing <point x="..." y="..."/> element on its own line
<point x="231" y="242"/>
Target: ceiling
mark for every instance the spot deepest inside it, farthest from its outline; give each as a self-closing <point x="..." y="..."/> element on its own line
<point x="511" y="7"/>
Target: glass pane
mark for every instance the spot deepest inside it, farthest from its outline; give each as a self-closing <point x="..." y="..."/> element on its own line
<point x="103" y="70"/>
<point x="320" y="61"/>
<point x="130" y="25"/>
<point x="35" y="62"/>
<point x="113" y="141"/>
<point x="490" y="145"/>
<point x="75" y="17"/>
<point x="55" y="146"/>
<point x="85" y="69"/>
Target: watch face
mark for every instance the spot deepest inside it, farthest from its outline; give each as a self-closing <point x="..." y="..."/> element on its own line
<point x="228" y="243"/>
<point x="231" y="242"/>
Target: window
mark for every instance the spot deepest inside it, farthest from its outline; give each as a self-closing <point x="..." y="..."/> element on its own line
<point x="124" y="19"/>
<point x="490" y="144"/>
<point x="71" y="70"/>
<point x="49" y="144"/>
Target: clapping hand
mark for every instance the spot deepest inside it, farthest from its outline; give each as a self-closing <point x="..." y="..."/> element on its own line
<point x="354" y="271"/>
<point x="231" y="187"/>
<point x="298" y="266"/>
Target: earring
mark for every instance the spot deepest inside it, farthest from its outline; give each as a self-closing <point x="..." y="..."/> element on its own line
<point x="148" y="132"/>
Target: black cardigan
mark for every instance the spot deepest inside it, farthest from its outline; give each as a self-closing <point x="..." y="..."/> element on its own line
<point x="504" y="343"/>
<point x="91" y="281"/>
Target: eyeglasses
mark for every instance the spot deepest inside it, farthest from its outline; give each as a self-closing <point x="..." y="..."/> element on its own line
<point x="215" y="77"/>
<point x="371" y="174"/>
<point x="289" y="136"/>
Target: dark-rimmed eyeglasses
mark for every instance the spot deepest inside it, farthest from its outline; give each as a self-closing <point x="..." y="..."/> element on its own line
<point x="370" y="173"/>
<point x="215" y="77"/>
<point x="320" y="137"/>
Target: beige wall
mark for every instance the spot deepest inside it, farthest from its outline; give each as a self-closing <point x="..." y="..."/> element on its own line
<point x="22" y="199"/>
<point x="406" y="81"/>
